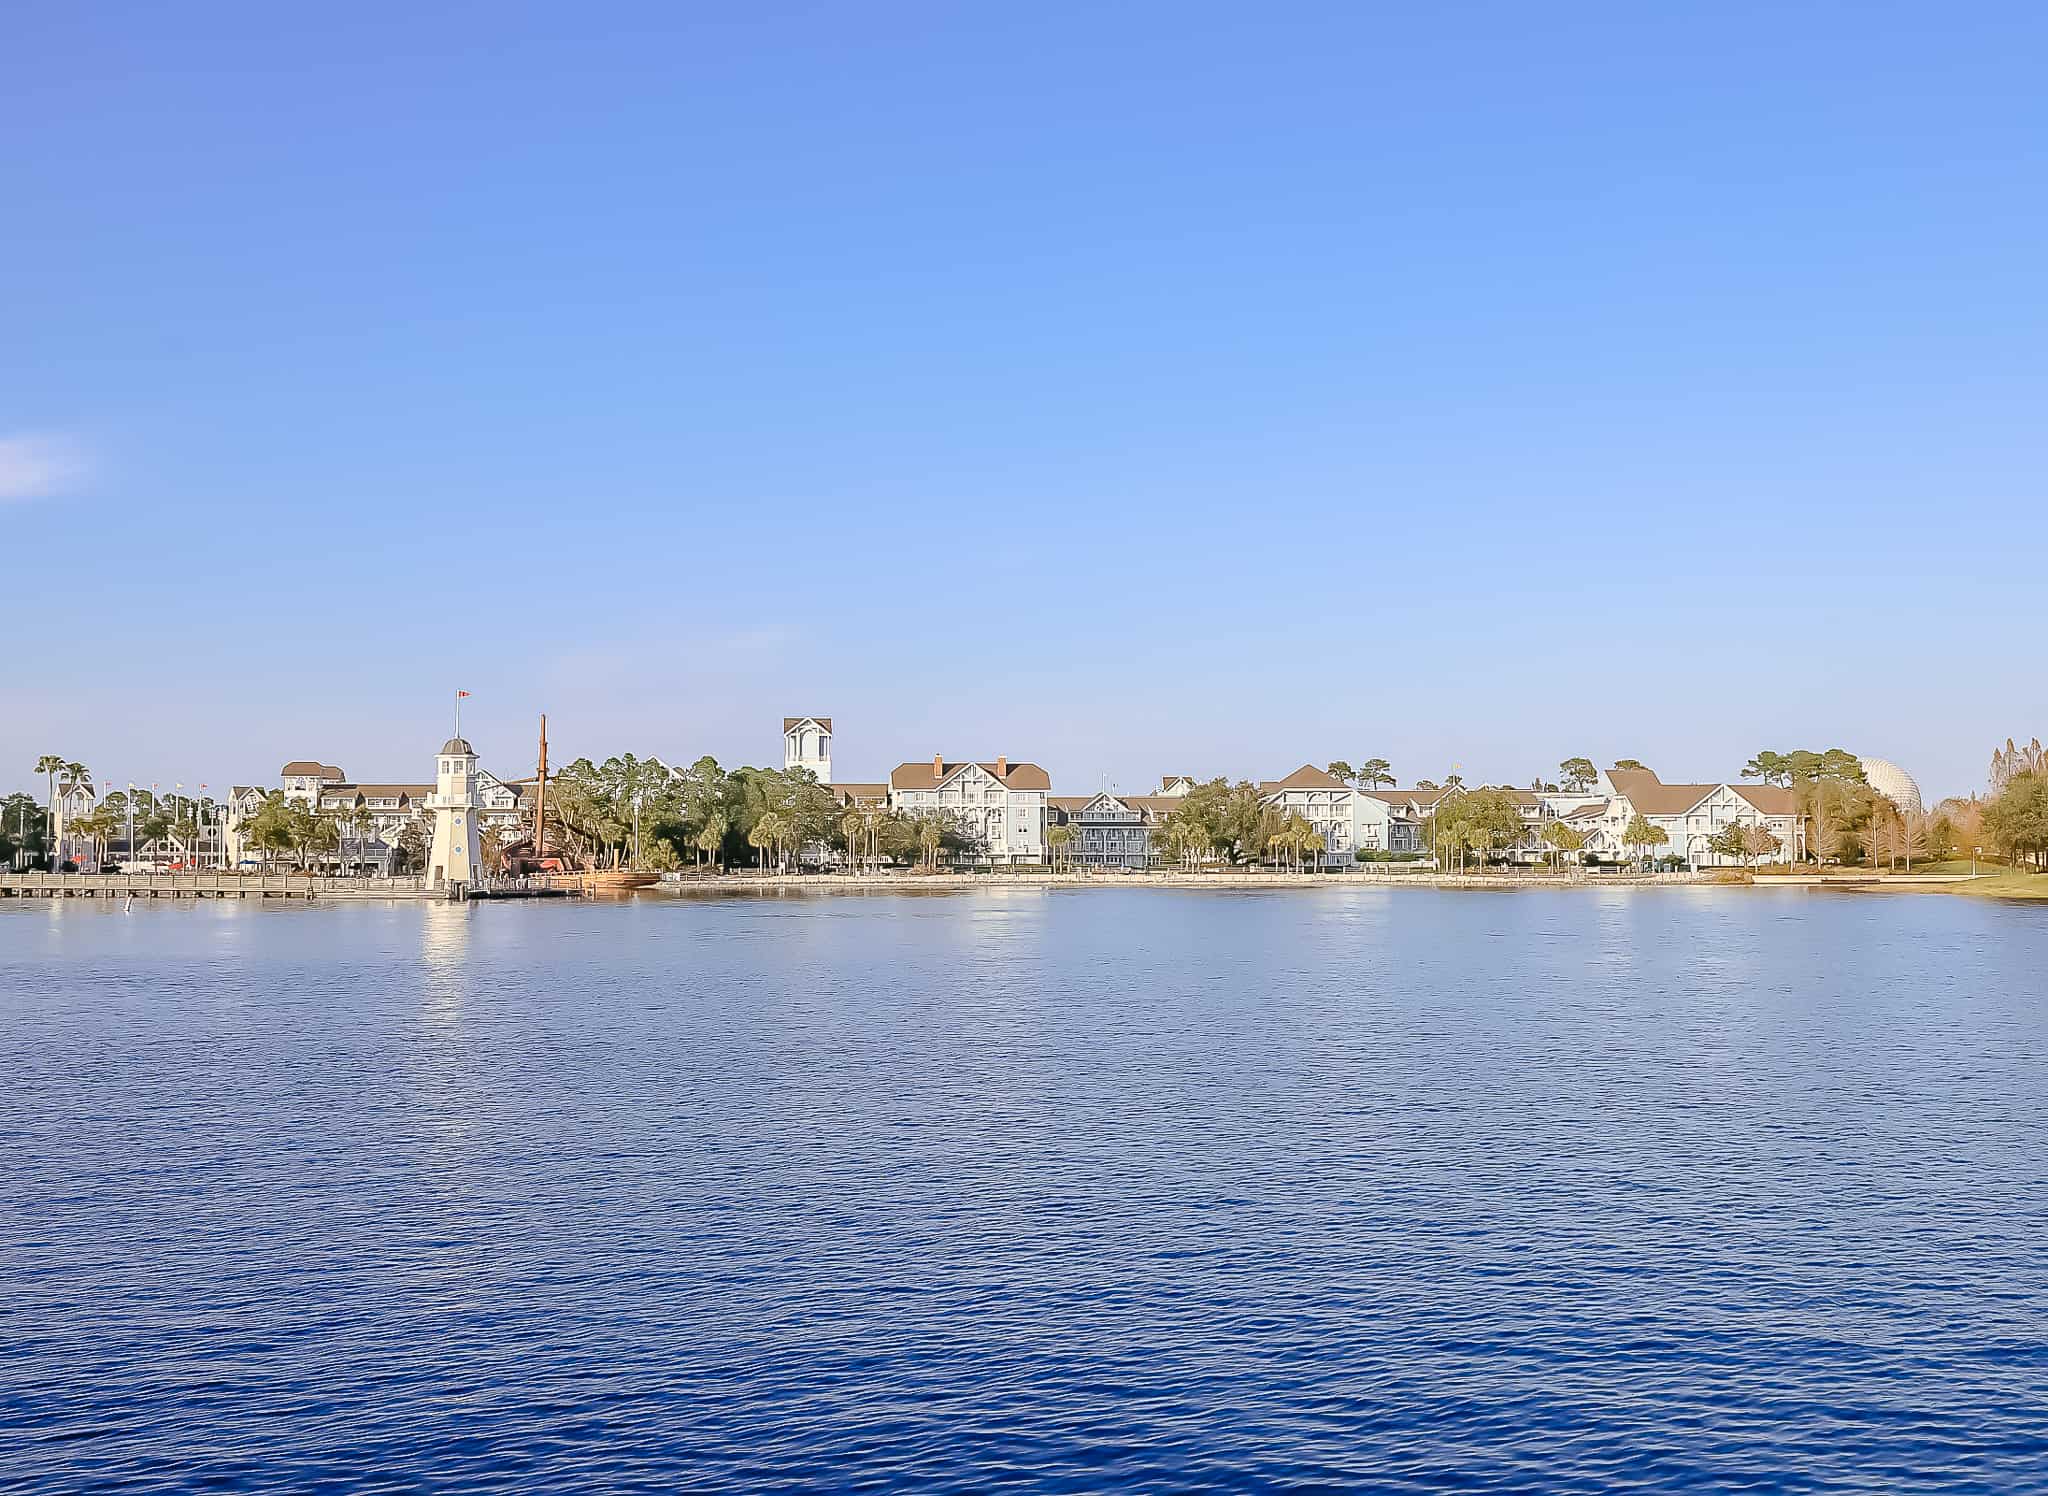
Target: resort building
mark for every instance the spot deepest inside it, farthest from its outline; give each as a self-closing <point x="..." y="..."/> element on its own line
<point x="372" y="817"/>
<point x="237" y="811"/>
<point x="75" y="801"/>
<point x="1390" y="820"/>
<point x="1001" y="805"/>
<point x="1112" y="830"/>
<point x="302" y="779"/>
<point x="1689" y="814"/>
<point x="1323" y="800"/>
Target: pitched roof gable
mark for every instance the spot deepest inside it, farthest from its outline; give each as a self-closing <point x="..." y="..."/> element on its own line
<point x="1769" y="799"/>
<point x="920" y="775"/>
<point x="1407" y="796"/>
<point x="1651" y="796"/>
<point x="1307" y="777"/>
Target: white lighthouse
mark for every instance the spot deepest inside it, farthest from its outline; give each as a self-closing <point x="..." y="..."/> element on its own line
<point x="457" y="857"/>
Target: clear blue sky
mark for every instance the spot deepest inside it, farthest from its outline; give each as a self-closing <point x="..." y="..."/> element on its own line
<point x="1141" y="388"/>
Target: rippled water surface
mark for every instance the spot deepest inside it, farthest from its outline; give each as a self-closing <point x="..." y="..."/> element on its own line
<point x="1700" y="1190"/>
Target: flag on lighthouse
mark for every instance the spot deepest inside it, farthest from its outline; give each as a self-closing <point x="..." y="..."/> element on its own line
<point x="460" y="694"/>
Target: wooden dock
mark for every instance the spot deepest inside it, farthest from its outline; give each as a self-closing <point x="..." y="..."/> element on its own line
<point x="258" y="886"/>
<point x="156" y="886"/>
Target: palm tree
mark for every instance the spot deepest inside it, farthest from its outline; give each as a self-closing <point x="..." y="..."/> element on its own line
<point x="185" y="827"/>
<point x="47" y="766"/>
<point x="1059" y="838"/>
<point x="931" y="835"/>
<point x="850" y="825"/>
<point x="99" y="823"/>
<point x="711" y="839"/>
<point x="1563" y="840"/>
<point x="1642" y="836"/>
<point x="766" y="834"/>
<point x="1480" y="840"/>
<point x="1315" y="845"/>
<point x="362" y="821"/>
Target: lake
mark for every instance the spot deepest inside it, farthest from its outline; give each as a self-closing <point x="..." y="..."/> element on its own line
<point x="1356" y="1189"/>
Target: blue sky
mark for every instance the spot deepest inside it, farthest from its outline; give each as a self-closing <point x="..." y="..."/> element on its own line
<point x="1134" y="389"/>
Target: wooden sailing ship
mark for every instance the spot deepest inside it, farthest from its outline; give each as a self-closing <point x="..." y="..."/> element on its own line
<point x="559" y="866"/>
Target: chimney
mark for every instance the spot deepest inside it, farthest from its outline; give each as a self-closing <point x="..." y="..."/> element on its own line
<point x="938" y="766"/>
<point x="1002" y="767"/>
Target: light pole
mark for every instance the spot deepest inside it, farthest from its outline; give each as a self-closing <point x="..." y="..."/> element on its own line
<point x="1974" y="852"/>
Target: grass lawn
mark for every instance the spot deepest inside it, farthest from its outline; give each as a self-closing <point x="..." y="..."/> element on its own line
<point x="1994" y="880"/>
<point x="1999" y="883"/>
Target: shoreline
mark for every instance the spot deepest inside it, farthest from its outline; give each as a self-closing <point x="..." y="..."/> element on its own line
<point x="2002" y="884"/>
<point x="847" y="883"/>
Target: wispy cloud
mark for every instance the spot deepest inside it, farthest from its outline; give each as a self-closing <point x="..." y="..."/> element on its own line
<point x="34" y="465"/>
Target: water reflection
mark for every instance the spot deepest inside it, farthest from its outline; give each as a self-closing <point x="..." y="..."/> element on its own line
<point x="444" y="961"/>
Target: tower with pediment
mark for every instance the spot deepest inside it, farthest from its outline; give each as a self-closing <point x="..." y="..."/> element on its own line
<point x="807" y="744"/>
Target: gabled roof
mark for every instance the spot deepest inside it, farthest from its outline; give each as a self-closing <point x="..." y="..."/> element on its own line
<point x="380" y="791"/>
<point x="789" y="722"/>
<point x="1586" y="812"/>
<point x="1769" y="799"/>
<point x="1307" y="777"/>
<point x="1069" y="803"/>
<point x="1406" y="797"/>
<point x="303" y="768"/>
<point x="847" y="794"/>
<point x="1652" y="797"/>
<point x="919" y="776"/>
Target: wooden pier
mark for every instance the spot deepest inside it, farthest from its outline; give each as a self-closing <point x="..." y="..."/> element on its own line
<point x="156" y="886"/>
<point x="259" y="886"/>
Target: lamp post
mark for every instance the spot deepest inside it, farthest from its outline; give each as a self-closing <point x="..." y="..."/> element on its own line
<point x="1974" y="853"/>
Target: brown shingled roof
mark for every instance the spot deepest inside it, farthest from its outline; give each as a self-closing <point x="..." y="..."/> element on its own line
<point x="300" y="768"/>
<point x="1769" y="799"/>
<point x="1307" y="777"/>
<point x="789" y="722"/>
<point x="1403" y="797"/>
<point x="1652" y="797"/>
<point x="849" y="793"/>
<point x="919" y="776"/>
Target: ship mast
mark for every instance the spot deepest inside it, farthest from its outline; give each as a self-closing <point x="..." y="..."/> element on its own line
<point x="540" y="798"/>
